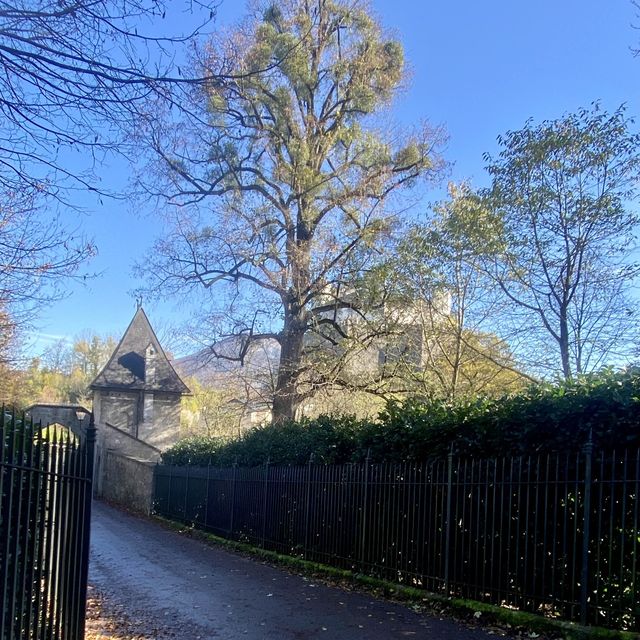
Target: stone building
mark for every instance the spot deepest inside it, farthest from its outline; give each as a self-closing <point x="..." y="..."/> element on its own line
<point x="136" y="407"/>
<point x="138" y="392"/>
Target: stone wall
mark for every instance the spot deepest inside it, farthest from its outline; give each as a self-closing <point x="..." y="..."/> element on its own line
<point x="133" y="425"/>
<point x="110" y="438"/>
<point x="127" y="482"/>
<point x="114" y="439"/>
<point x="151" y="417"/>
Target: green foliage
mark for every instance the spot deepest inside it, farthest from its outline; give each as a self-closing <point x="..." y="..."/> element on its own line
<point x="330" y="439"/>
<point x="563" y="189"/>
<point x="195" y="450"/>
<point x="438" y="274"/>
<point x="547" y="417"/>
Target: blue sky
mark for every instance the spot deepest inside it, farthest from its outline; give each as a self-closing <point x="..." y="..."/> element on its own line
<point x="478" y="68"/>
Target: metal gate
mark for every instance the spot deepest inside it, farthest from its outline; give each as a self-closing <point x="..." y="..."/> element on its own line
<point x="45" y="510"/>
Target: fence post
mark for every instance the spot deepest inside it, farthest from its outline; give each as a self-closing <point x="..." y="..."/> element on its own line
<point x="206" y="496"/>
<point x="169" y="490"/>
<point x="90" y="442"/>
<point x="264" y="500"/>
<point x="233" y="496"/>
<point x="7" y="520"/>
<point x="154" y="489"/>
<point x="447" y="534"/>
<point x="186" y="494"/>
<point x="307" y="507"/>
<point x="586" y="533"/>
<point x="365" y="511"/>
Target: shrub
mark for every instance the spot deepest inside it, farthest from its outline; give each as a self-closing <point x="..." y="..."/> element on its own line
<point x="546" y="417"/>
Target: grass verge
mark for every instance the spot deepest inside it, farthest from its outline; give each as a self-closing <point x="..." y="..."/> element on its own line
<point x="519" y="622"/>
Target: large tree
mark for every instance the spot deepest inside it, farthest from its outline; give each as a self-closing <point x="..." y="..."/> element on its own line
<point x="565" y="192"/>
<point x="286" y="183"/>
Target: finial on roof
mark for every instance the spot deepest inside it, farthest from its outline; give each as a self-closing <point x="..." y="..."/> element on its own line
<point x="138" y="302"/>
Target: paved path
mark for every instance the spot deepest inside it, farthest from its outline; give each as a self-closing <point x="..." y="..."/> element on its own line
<point x="181" y="588"/>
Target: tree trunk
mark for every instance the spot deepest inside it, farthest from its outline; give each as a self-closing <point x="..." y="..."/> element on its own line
<point x="286" y="398"/>
<point x="564" y="344"/>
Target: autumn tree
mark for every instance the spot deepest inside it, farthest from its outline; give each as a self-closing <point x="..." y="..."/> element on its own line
<point x="63" y="373"/>
<point x="90" y="353"/>
<point x="438" y="273"/>
<point x="286" y="184"/>
<point x="211" y="412"/>
<point x="565" y="192"/>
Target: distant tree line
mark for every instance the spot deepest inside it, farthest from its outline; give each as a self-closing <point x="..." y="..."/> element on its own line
<point x="61" y="375"/>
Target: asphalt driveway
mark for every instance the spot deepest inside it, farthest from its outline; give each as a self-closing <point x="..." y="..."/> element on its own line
<point x="177" y="587"/>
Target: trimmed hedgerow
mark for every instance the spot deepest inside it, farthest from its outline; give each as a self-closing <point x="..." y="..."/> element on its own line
<point x="546" y="417"/>
<point x="330" y="439"/>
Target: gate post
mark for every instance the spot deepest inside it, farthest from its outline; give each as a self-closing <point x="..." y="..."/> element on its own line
<point x="90" y="442"/>
<point x="154" y="489"/>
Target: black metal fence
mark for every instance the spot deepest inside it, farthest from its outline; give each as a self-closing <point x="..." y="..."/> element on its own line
<point x="554" y="534"/>
<point x="45" y="491"/>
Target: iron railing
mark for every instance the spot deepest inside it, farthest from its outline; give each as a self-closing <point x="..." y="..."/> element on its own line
<point x="556" y="534"/>
<point x="45" y="492"/>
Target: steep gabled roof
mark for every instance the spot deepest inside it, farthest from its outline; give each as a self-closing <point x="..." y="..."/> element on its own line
<point x="126" y="369"/>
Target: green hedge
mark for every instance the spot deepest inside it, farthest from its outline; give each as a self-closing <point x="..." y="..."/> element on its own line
<point x="547" y="417"/>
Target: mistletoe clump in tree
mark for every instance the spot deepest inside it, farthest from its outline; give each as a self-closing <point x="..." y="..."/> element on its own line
<point x="287" y="182"/>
